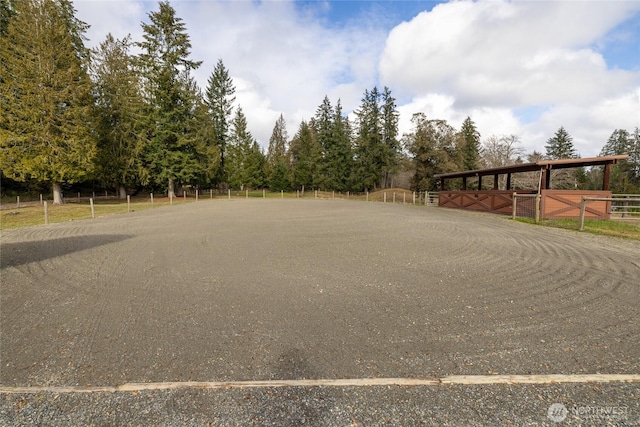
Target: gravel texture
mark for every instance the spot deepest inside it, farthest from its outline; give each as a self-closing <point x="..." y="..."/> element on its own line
<point x="286" y="289"/>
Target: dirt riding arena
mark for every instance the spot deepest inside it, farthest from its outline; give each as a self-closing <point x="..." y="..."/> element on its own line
<point x="248" y="312"/>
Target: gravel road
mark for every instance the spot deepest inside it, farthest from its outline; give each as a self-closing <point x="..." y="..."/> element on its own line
<point x="317" y="289"/>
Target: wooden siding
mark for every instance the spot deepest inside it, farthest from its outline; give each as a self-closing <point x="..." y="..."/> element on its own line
<point x="495" y="201"/>
<point x="566" y="204"/>
<point x="554" y="203"/>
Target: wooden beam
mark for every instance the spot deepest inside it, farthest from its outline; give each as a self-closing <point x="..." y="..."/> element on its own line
<point x="547" y="179"/>
<point x="495" y="181"/>
<point x="508" y="182"/>
<point x="606" y="177"/>
<point x="479" y="182"/>
<point x="464" y="183"/>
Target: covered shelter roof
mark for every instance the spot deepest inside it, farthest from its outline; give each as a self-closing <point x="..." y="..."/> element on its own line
<point x="544" y="166"/>
<point x="536" y="166"/>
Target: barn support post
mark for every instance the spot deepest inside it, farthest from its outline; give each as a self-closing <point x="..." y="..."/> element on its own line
<point x="495" y="181"/>
<point x="606" y="177"/>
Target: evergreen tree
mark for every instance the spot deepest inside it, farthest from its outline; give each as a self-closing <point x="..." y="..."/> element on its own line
<point x="377" y="149"/>
<point x="45" y="128"/>
<point x="172" y="96"/>
<point x="625" y="176"/>
<point x="219" y="98"/>
<point x="323" y="127"/>
<point x="391" y="145"/>
<point x="118" y="110"/>
<point x="341" y="153"/>
<point x="277" y="165"/>
<point x="245" y="162"/>
<point x="305" y="153"/>
<point x="369" y="147"/>
<point x="469" y="144"/>
<point x="560" y="146"/>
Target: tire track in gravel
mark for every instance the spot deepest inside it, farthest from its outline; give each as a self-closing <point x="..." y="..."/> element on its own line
<point x="202" y="291"/>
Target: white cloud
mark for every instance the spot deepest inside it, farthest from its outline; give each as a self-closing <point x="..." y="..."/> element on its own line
<point x="492" y="57"/>
<point x="523" y="68"/>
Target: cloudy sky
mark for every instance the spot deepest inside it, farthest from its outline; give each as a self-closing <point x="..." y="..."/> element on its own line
<point x="516" y="67"/>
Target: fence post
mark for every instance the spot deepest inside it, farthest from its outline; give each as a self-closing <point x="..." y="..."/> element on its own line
<point x="196" y="194"/>
<point x="414" y="197"/>
<point x="404" y="198"/>
<point x="264" y="193"/>
<point x="151" y="199"/>
<point x="333" y="194"/>
<point x="170" y="197"/>
<point x="347" y="195"/>
<point x="384" y="198"/>
<point x="229" y="193"/>
<point x="315" y="194"/>
<point x="93" y="211"/>
<point x="184" y="195"/>
<point x="367" y="196"/>
<point x="282" y="194"/>
<point x="538" y="200"/>
<point x="246" y="193"/>
<point x="583" y="208"/>
<point x="46" y="214"/>
<point x="211" y="193"/>
<point x="18" y="202"/>
<point x="128" y="203"/>
<point x="394" y="197"/>
<point x="513" y="206"/>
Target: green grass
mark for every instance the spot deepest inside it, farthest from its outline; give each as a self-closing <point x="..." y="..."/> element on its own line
<point x="613" y="228"/>
<point x="31" y="215"/>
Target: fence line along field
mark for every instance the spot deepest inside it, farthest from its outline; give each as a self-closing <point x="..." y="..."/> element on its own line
<point x="33" y="212"/>
<point x="268" y="290"/>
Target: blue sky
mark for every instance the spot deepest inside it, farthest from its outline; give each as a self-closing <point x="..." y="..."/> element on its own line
<point x="523" y="68"/>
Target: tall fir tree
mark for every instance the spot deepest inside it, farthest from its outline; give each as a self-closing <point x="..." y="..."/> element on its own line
<point x="45" y="96"/>
<point x="369" y="148"/>
<point x="625" y="176"/>
<point x="376" y="148"/>
<point x="219" y="97"/>
<point x="391" y="145"/>
<point x="323" y="127"/>
<point x="469" y="144"/>
<point x="560" y="146"/>
<point x="119" y="112"/>
<point x="277" y="165"/>
<point x="341" y="153"/>
<point x="245" y="160"/>
<point x="305" y="153"/>
<point x="171" y="154"/>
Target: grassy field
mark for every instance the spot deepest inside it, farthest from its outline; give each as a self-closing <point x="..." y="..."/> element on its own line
<point x="629" y="230"/>
<point x="33" y="213"/>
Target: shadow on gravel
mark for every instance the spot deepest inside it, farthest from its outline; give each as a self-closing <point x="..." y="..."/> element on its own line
<point x="13" y="254"/>
<point x="294" y="406"/>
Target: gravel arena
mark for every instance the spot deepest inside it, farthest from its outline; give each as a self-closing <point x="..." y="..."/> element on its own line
<point x="317" y="312"/>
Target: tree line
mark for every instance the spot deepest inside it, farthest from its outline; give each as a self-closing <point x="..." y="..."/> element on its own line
<point x="74" y="115"/>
